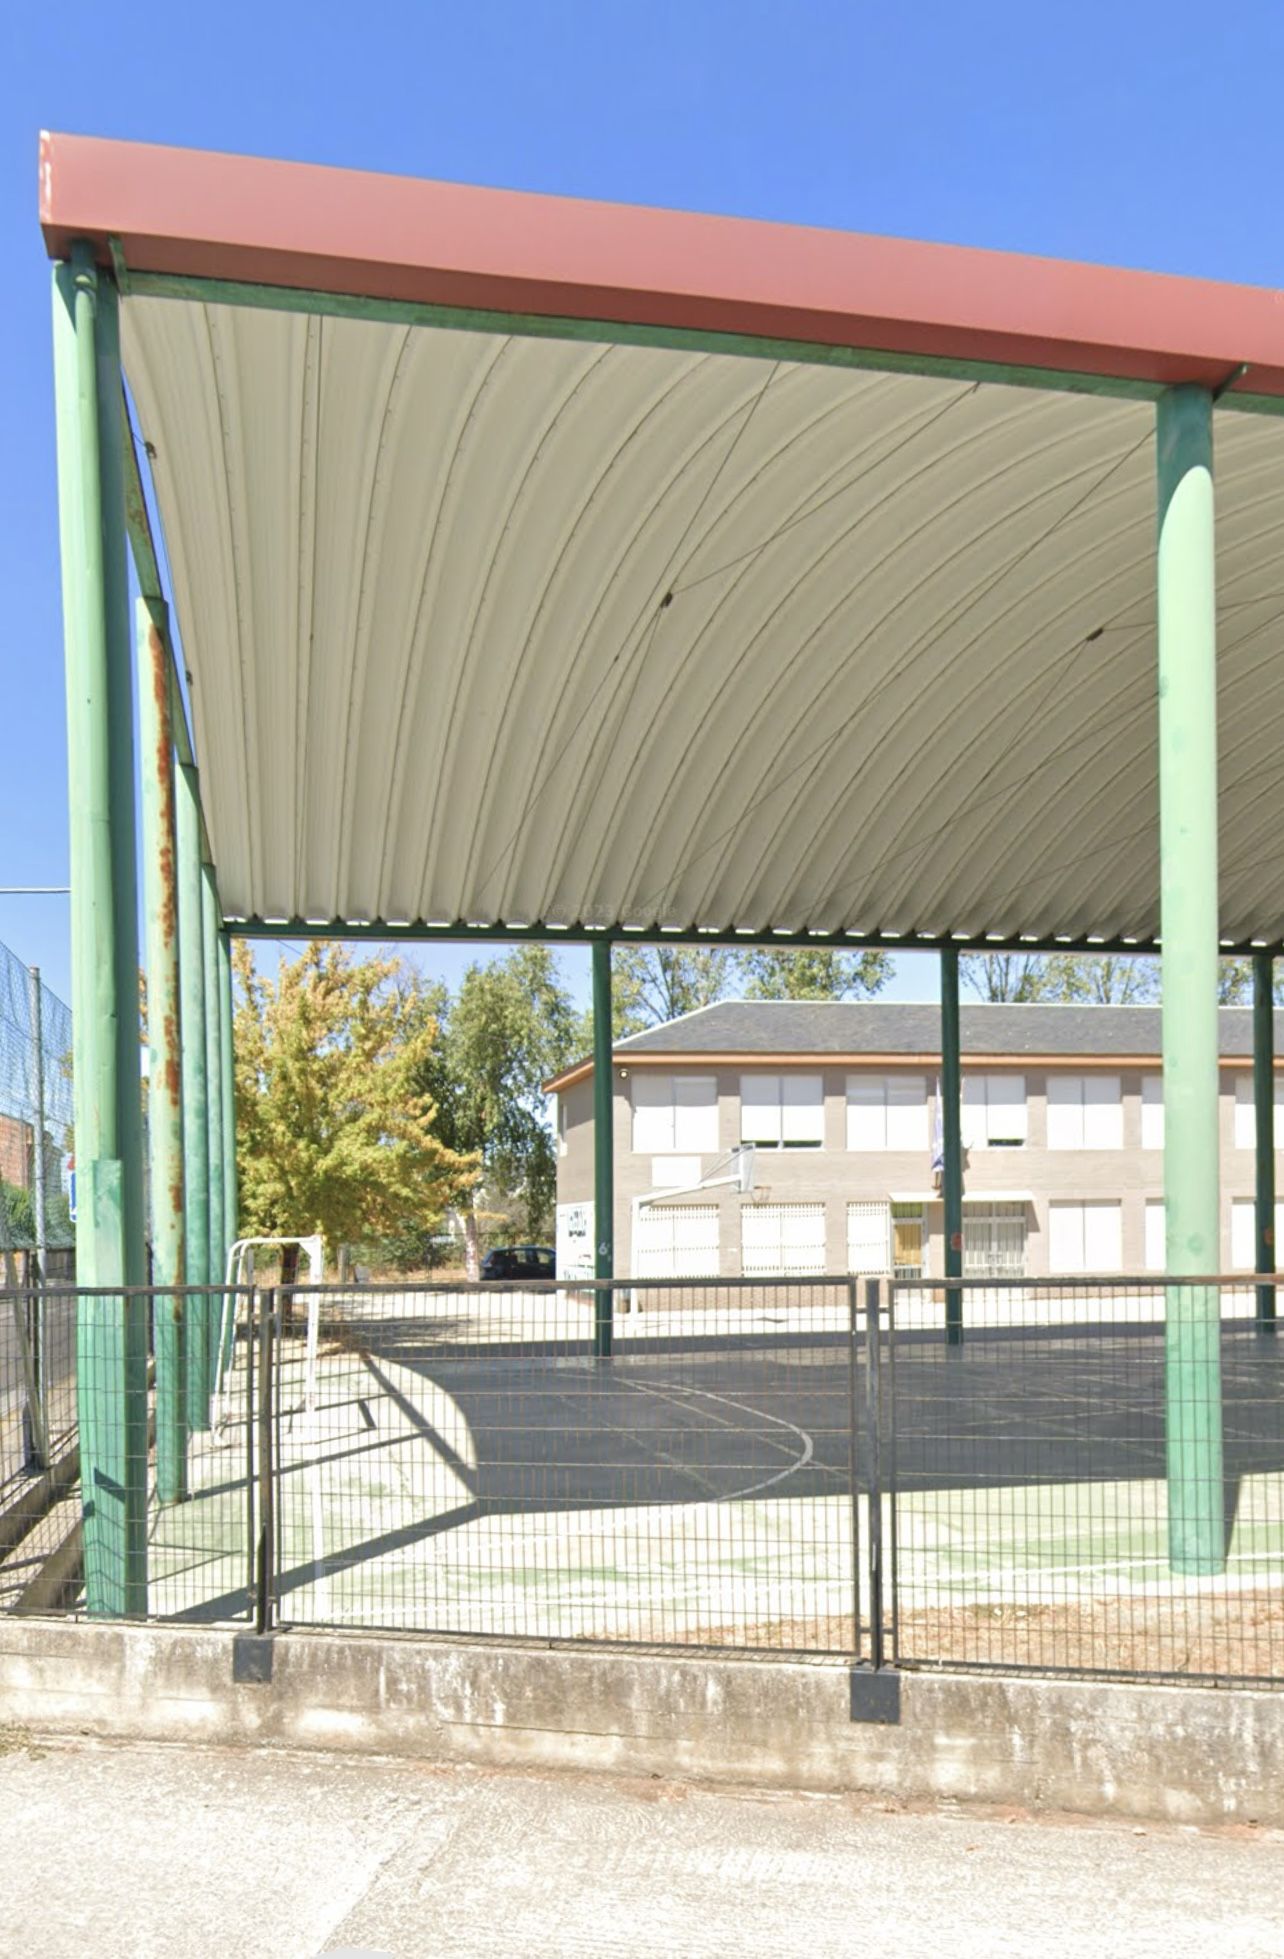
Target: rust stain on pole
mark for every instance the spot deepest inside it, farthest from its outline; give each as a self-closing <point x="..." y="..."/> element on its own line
<point x="164" y="1042"/>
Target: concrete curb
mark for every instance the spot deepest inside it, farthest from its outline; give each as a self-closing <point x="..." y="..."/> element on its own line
<point x="1187" y="1754"/>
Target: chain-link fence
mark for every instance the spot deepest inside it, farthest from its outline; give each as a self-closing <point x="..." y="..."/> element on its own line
<point x="35" y="1118"/>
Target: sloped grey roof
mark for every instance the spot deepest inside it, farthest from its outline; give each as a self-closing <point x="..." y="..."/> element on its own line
<point x="892" y="1027"/>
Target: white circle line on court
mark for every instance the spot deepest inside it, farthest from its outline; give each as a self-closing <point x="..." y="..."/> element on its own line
<point x="725" y="1401"/>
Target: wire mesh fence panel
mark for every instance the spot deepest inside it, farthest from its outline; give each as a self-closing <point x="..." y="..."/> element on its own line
<point x="35" y="1111"/>
<point x="1092" y="1481"/>
<point x="457" y="1459"/>
<point x="126" y="1485"/>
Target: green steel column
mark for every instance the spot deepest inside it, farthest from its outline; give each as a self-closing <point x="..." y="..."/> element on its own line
<point x="214" y="1098"/>
<point x="228" y="1083"/>
<point x="164" y="1042"/>
<point x="196" y="1139"/>
<point x="951" y="1142"/>
<point x="1188" y="924"/>
<point x="1264" y="1105"/>
<point x="603" y="1149"/>
<point x="111" y="1366"/>
<point x="226" y="1013"/>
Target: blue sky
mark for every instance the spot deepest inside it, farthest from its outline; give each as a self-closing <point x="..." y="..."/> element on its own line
<point x="1134" y="134"/>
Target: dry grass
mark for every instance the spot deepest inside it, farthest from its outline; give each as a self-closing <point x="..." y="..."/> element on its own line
<point x="1235" y="1636"/>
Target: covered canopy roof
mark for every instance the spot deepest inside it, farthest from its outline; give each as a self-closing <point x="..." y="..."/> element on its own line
<point x="548" y="563"/>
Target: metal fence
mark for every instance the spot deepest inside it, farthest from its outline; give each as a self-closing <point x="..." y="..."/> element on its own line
<point x="1027" y="1489"/>
<point x="800" y="1465"/>
<point x="127" y="1456"/>
<point x="35" y="1114"/>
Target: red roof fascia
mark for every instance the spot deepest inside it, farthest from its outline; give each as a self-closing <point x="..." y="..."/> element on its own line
<point x="307" y="226"/>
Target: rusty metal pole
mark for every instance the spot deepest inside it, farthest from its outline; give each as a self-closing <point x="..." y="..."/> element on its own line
<point x="164" y="1045"/>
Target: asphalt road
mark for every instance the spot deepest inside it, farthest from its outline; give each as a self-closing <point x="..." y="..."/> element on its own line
<point x="130" y="1852"/>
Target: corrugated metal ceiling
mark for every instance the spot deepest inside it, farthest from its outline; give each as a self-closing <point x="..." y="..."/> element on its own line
<point x="507" y="630"/>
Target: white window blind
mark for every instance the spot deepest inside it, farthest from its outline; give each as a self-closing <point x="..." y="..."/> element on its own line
<point x="1155" y="1233"/>
<point x="675" y="1112"/>
<point x="1246" y="1114"/>
<point x="869" y="1238"/>
<point x="677" y="1241"/>
<point x="1244" y="1233"/>
<point x="1085" y="1237"/>
<point x="993" y="1112"/>
<point x="782" y="1111"/>
<point x="1085" y="1112"/>
<point x="782" y="1240"/>
<point x="887" y="1112"/>
<point x="1152" y="1116"/>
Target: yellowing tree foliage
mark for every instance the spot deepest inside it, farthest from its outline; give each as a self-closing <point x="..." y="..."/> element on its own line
<point x="334" y="1132"/>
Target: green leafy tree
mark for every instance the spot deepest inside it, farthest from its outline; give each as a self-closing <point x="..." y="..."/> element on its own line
<point x="1105" y="979"/>
<point x="1098" y="979"/>
<point x="335" y="1130"/>
<point x="812" y="973"/>
<point x="1235" y="983"/>
<point x="655" y="983"/>
<point x="511" y="1025"/>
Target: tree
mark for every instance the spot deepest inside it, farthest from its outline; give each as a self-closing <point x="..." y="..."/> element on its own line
<point x="812" y="973"/>
<point x="511" y="1026"/>
<point x="1097" y="979"/>
<point x="1235" y="983"/>
<point x="1104" y="979"/>
<point x="334" y="1131"/>
<point x="1011" y="976"/>
<point x="655" y="983"/>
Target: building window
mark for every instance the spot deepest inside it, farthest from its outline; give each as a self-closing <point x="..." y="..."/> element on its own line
<point x="1152" y="1116"/>
<point x="1085" y="1112"/>
<point x="675" y="1113"/>
<point x="1244" y="1233"/>
<point x="1246" y="1114"/>
<point x="782" y="1240"/>
<point x="994" y="1112"/>
<point x="782" y="1111"/>
<point x="1155" y="1249"/>
<point x="994" y="1240"/>
<point x="886" y="1112"/>
<point x="561" y="1125"/>
<point x="1085" y="1237"/>
<point x="677" y="1241"/>
<point x="887" y="1238"/>
<point x="869" y="1234"/>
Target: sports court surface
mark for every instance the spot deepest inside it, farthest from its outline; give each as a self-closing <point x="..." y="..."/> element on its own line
<point x="463" y="1464"/>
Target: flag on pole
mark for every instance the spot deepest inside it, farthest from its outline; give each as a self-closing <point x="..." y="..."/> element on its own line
<point x="938" y="1142"/>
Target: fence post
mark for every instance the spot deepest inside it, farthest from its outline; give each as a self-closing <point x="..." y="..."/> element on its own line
<point x="265" y="1575"/>
<point x="853" y="1460"/>
<point x="873" y="1423"/>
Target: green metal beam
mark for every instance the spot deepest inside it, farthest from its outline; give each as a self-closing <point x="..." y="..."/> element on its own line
<point x="951" y="1142"/>
<point x="164" y="1041"/>
<point x="111" y="1385"/>
<point x="624" y="333"/>
<point x="1187" y="639"/>
<point x="603" y="1152"/>
<point x="196" y="1141"/>
<point x="460" y="932"/>
<point x="1264" y="1108"/>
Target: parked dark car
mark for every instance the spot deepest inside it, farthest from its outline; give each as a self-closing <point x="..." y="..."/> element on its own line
<point x="519" y="1262"/>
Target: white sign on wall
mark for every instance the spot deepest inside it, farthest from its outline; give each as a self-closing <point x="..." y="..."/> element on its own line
<point x="575" y="1241"/>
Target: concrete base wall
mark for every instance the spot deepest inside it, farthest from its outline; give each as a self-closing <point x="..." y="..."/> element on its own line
<point x="1188" y="1754"/>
